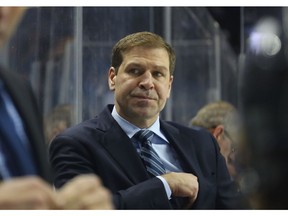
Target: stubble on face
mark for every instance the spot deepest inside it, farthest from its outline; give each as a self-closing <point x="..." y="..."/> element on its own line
<point x="141" y="95"/>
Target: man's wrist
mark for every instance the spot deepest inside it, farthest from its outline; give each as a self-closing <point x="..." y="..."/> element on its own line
<point x="166" y="186"/>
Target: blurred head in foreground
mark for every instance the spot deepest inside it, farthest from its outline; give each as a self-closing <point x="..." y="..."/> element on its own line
<point x="264" y="96"/>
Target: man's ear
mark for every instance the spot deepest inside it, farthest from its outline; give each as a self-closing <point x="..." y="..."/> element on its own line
<point x="112" y="78"/>
<point x="170" y="86"/>
<point x="218" y="131"/>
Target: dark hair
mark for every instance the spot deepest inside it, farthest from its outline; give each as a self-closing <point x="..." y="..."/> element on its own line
<point x="141" y="39"/>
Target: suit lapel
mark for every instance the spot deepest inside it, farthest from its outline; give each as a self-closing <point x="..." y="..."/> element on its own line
<point x="120" y="147"/>
<point x="183" y="148"/>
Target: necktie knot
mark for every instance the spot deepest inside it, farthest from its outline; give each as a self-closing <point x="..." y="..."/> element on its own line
<point x="144" y="136"/>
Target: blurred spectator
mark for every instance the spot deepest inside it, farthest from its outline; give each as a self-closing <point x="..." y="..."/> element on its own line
<point x="60" y="118"/>
<point x="221" y="119"/>
<point x="24" y="169"/>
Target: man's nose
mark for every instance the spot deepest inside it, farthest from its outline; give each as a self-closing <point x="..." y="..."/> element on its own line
<point x="146" y="81"/>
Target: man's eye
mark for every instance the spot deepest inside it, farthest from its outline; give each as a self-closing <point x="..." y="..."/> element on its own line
<point x="158" y="74"/>
<point x="134" y="71"/>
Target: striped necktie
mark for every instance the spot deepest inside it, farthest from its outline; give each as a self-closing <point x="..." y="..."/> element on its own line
<point x="148" y="154"/>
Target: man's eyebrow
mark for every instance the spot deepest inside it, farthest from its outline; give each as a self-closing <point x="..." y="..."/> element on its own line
<point x="133" y="64"/>
<point x="159" y="67"/>
<point x="155" y="67"/>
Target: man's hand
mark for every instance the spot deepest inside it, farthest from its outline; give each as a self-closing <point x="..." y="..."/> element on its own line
<point x="28" y="193"/>
<point x="183" y="185"/>
<point x="85" y="192"/>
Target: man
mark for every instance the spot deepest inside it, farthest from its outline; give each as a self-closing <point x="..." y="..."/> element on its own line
<point x="182" y="169"/>
<point x="24" y="170"/>
<point x="221" y="119"/>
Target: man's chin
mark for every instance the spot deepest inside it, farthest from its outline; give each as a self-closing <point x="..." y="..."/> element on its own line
<point x="145" y="112"/>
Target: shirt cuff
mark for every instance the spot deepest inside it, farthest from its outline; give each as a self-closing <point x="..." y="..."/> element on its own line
<point x="166" y="186"/>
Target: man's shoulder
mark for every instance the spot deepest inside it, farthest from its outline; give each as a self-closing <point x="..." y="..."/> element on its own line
<point x="99" y="123"/>
<point x="198" y="137"/>
<point x="183" y="129"/>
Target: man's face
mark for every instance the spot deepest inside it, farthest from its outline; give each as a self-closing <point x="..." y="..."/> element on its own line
<point x="9" y="17"/>
<point x="142" y="85"/>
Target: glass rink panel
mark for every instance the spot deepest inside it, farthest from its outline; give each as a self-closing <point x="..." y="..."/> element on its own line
<point x="65" y="52"/>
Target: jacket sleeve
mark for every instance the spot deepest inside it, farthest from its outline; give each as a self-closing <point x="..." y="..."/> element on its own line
<point x="145" y="195"/>
<point x="70" y="158"/>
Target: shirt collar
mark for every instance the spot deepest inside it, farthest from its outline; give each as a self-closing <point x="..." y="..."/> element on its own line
<point x="130" y="129"/>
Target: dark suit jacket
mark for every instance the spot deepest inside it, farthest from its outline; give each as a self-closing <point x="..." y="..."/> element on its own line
<point x="100" y="146"/>
<point x="25" y="103"/>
